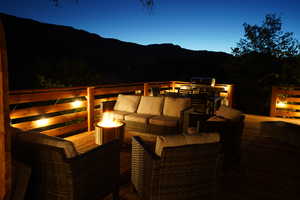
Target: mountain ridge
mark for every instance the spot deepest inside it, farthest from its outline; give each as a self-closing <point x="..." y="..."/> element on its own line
<point x="57" y="51"/>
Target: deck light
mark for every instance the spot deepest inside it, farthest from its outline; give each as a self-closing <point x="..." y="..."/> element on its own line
<point x="42" y="122"/>
<point x="76" y="103"/>
<point x="281" y="104"/>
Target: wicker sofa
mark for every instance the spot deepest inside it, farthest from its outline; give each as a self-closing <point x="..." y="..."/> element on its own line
<point x="148" y="114"/>
<point x="180" y="168"/>
<point x="60" y="172"/>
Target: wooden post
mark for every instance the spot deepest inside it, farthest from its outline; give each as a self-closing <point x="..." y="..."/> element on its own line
<point x="230" y="95"/>
<point x="173" y="84"/>
<point x="146" y="89"/>
<point x="91" y="108"/>
<point x="273" y="101"/>
<point x="5" y="142"/>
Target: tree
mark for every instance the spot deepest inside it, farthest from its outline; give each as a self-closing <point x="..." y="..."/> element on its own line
<point x="267" y="39"/>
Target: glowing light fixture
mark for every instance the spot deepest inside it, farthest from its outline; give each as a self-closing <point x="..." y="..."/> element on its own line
<point x="213" y="82"/>
<point x="226" y="88"/>
<point x="42" y="122"/>
<point x="281" y="104"/>
<point x="77" y="103"/>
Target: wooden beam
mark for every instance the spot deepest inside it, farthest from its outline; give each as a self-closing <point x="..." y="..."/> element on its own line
<point x="146" y="89"/>
<point x="273" y="101"/>
<point x="91" y="107"/>
<point x="5" y="146"/>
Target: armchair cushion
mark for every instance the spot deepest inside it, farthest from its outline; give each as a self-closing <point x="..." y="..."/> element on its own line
<point x="150" y="105"/>
<point x="181" y="140"/>
<point x="119" y="115"/>
<point x="173" y="106"/>
<point x="228" y="113"/>
<point x="164" y="121"/>
<point x="140" y="118"/>
<point x="39" y="138"/>
<point x="127" y="103"/>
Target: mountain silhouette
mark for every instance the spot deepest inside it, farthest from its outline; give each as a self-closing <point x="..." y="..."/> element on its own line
<point x="67" y="56"/>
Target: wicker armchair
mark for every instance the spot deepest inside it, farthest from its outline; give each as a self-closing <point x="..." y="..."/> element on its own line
<point x="59" y="172"/>
<point x="184" y="172"/>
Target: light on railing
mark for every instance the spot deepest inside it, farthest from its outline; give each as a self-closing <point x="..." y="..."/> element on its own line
<point x="77" y="103"/>
<point x="42" y="122"/>
<point x="281" y="104"/>
<point x="213" y="82"/>
<point x="226" y="88"/>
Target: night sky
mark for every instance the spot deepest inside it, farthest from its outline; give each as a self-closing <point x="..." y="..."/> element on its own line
<point x="193" y="24"/>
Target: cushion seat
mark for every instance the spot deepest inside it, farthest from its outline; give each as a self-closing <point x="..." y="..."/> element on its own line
<point x="119" y="115"/>
<point x="140" y="118"/>
<point x="164" y="121"/>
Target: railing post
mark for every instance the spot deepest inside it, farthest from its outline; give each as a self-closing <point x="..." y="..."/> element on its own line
<point x="91" y="107"/>
<point x="173" y="84"/>
<point x="230" y="95"/>
<point x="273" y="101"/>
<point x="5" y="142"/>
<point x="146" y="89"/>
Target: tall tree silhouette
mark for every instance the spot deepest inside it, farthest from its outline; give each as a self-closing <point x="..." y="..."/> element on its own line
<point x="267" y="39"/>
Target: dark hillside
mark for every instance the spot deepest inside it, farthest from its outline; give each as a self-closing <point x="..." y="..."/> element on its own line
<point x="65" y="56"/>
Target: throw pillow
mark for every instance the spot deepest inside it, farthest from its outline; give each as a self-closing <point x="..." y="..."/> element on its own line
<point x="150" y="105"/>
<point x="127" y="103"/>
<point x="173" y="106"/>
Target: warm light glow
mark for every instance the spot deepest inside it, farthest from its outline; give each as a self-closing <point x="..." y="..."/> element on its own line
<point x="76" y="103"/>
<point x="42" y="122"/>
<point x="226" y="88"/>
<point x="281" y="104"/>
<point x="109" y="121"/>
<point x="213" y="82"/>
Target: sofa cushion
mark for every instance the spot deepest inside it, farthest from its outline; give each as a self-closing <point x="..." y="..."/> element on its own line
<point x="140" y="118"/>
<point x="229" y="113"/>
<point x="181" y="140"/>
<point x="150" y="105"/>
<point x="119" y="115"/>
<point x="173" y="106"/>
<point x="39" y="138"/>
<point x="127" y="103"/>
<point x="164" y="121"/>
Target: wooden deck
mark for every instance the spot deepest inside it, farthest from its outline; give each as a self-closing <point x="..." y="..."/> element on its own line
<point x="270" y="170"/>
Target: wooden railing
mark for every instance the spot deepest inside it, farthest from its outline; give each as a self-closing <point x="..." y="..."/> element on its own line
<point x="67" y="111"/>
<point x="285" y="102"/>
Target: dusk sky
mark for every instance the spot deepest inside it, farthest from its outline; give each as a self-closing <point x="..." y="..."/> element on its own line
<point x="212" y="25"/>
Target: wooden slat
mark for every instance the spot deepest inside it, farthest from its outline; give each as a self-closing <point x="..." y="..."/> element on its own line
<point x="102" y="91"/>
<point x="48" y="90"/>
<point x="38" y="110"/>
<point x="284" y="113"/>
<point x="99" y="101"/>
<point x="292" y="99"/>
<point x="5" y="142"/>
<point x="65" y="129"/>
<point x="288" y="92"/>
<point x="25" y="126"/>
<point x="291" y="106"/>
<point x="46" y="96"/>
